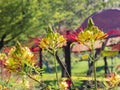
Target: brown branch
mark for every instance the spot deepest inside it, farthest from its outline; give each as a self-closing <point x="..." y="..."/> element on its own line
<point x="40" y="82"/>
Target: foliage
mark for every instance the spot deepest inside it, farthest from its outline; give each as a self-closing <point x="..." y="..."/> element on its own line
<point x="22" y="19"/>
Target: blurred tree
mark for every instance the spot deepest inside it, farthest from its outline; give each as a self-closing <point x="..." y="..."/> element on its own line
<point x="20" y="19"/>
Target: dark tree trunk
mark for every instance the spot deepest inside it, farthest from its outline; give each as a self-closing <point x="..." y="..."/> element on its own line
<point x="63" y="72"/>
<point x="40" y="60"/>
<point x="106" y="66"/>
<point x="2" y="41"/>
<point x="68" y="58"/>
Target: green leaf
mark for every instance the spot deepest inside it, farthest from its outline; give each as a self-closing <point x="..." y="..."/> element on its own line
<point x="109" y="53"/>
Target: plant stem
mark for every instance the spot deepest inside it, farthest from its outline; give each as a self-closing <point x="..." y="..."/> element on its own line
<point x="94" y="65"/>
<point x="40" y="82"/>
<point x="33" y="78"/>
<point x="56" y="71"/>
<point x="95" y="79"/>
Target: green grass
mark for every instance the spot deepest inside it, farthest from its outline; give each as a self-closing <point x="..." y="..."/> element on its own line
<point x="80" y="68"/>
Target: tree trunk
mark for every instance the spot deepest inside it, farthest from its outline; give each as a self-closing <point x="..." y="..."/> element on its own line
<point x="106" y="66"/>
<point x="2" y="41"/>
<point x="40" y="60"/>
<point x="68" y="58"/>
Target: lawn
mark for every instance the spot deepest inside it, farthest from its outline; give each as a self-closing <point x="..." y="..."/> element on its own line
<point x="79" y="69"/>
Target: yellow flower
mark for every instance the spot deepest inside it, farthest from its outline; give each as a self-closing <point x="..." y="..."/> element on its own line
<point x="18" y="56"/>
<point x="0" y="87"/>
<point x="114" y="80"/>
<point x="63" y="85"/>
<point x="43" y="43"/>
<point x="91" y="34"/>
<point x="52" y="41"/>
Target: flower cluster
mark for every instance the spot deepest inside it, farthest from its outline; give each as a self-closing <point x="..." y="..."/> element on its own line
<point x="65" y="84"/>
<point x="91" y="34"/>
<point x="114" y="80"/>
<point x="18" y="57"/>
<point x="3" y="59"/>
<point x="52" y="41"/>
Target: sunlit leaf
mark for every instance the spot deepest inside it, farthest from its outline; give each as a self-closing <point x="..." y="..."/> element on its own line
<point x="109" y="53"/>
<point x="85" y="56"/>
